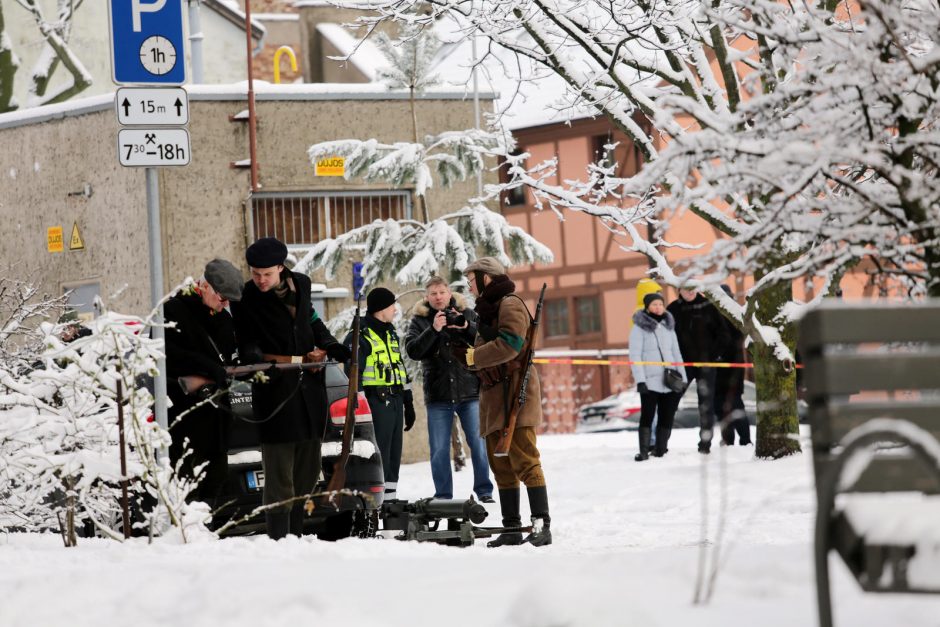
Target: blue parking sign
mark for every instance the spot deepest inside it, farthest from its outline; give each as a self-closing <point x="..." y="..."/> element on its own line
<point x="147" y="42"/>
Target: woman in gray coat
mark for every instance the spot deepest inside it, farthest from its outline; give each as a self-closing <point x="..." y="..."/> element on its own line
<point x="653" y="339"/>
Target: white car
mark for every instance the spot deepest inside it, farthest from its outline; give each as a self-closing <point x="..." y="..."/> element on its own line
<point x="614" y="413"/>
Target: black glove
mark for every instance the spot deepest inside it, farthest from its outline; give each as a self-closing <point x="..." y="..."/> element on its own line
<point x="641" y="388"/>
<point x="487" y="332"/>
<point x="409" y="410"/>
<point x="339" y="352"/>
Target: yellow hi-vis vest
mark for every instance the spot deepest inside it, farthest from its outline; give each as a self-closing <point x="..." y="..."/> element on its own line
<point x="384" y="366"/>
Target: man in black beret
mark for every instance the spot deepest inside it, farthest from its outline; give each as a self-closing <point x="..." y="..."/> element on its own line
<point x="383" y="378"/>
<point x="200" y="340"/>
<point x="275" y="321"/>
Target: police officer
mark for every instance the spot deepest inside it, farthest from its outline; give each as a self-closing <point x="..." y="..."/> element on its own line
<point x="383" y="378"/>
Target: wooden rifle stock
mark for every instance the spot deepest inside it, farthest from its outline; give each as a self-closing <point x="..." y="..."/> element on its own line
<point x="193" y="383"/>
<point x="338" y="480"/>
<point x="505" y="436"/>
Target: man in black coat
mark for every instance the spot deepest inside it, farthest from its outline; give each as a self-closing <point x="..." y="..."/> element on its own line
<point x="702" y="335"/>
<point x="449" y="388"/>
<point x="729" y="386"/>
<point x="275" y="321"/>
<point x="201" y="341"/>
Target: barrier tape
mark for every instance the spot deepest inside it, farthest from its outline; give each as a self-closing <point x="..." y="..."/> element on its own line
<point x="616" y="362"/>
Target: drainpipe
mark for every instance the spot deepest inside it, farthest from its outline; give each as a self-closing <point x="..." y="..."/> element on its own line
<point x="195" y="40"/>
<point x="252" y="118"/>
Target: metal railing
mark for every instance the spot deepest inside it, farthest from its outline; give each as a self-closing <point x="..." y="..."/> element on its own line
<point x="305" y="218"/>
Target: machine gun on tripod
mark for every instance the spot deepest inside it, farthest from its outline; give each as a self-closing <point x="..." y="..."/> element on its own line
<point x="421" y="521"/>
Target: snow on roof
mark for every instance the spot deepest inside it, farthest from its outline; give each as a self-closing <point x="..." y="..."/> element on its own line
<point x="367" y="58"/>
<point x="540" y="97"/>
<point x="230" y="10"/>
<point x="264" y="91"/>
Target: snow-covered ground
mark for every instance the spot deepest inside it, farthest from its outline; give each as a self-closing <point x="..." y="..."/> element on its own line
<point x="627" y="543"/>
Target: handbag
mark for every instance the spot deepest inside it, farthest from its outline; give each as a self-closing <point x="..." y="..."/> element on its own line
<point x="672" y="378"/>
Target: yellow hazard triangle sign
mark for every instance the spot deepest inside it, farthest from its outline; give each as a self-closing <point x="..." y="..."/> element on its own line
<point x="76" y="242"/>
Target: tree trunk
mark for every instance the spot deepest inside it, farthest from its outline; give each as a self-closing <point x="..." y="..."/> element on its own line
<point x="777" y="419"/>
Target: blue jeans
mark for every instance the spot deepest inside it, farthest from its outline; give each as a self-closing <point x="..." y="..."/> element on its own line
<point x="440" y="423"/>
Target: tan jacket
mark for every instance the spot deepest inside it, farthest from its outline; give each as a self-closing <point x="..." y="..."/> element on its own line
<point x="512" y="324"/>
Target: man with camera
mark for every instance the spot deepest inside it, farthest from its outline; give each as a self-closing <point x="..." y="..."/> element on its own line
<point x="441" y="320"/>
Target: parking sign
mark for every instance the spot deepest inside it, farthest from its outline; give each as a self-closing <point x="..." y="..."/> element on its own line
<point x="147" y="42"/>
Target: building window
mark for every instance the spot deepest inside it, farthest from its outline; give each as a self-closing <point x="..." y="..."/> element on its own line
<point x="556" y="318"/>
<point x="305" y="218"/>
<point x="588" y="312"/>
<point x="516" y="196"/>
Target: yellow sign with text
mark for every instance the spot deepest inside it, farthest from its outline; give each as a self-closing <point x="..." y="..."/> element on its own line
<point x="331" y="166"/>
<point x="54" y="241"/>
<point x="76" y="242"/>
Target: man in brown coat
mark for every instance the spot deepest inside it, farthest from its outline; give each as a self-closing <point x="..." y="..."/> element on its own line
<point x="496" y="356"/>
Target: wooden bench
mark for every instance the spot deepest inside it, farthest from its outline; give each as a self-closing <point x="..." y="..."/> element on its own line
<point x="872" y="377"/>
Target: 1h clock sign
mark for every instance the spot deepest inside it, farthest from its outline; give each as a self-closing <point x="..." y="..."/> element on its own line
<point x="147" y="42"/>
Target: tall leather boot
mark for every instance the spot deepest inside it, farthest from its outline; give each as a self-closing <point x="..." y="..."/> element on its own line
<point x="277" y="523"/>
<point x="541" y="522"/>
<point x="645" y="434"/>
<point x="509" y="506"/>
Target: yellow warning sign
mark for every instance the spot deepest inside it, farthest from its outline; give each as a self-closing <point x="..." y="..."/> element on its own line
<point x="54" y="239"/>
<point x="331" y="166"/>
<point x="76" y="242"/>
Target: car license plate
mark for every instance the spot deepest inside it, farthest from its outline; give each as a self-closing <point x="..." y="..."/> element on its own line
<point x="255" y="479"/>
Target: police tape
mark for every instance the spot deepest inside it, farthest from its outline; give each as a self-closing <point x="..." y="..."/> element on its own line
<point x="618" y="362"/>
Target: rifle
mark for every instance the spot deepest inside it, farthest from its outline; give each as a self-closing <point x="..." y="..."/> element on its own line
<point x="338" y="480"/>
<point x="505" y="437"/>
<point x="198" y="384"/>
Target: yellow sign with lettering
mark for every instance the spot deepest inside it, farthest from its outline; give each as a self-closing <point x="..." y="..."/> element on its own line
<point x="331" y="166"/>
<point x="76" y="242"/>
<point x="54" y="241"/>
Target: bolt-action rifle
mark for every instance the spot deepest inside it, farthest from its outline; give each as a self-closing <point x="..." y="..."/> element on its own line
<point x="505" y="437"/>
<point x="338" y="480"/>
<point x="198" y="384"/>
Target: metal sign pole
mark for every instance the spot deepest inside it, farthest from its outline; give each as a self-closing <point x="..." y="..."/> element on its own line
<point x="156" y="291"/>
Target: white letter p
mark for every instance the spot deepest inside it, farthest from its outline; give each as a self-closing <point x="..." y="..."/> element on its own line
<point x="137" y="8"/>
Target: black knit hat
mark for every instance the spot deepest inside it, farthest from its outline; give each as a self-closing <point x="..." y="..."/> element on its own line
<point x="267" y="252"/>
<point x="225" y="279"/>
<point x="378" y="299"/>
<point x="649" y="298"/>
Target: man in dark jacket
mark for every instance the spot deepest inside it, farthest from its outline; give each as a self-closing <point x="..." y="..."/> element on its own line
<point x="383" y="378"/>
<point x="201" y="341"/>
<point x="275" y="321"/>
<point x="729" y="386"/>
<point x="448" y="386"/>
<point x="702" y="335"/>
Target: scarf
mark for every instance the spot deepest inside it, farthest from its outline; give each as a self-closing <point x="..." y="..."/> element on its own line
<point x="487" y="306"/>
<point x="287" y="294"/>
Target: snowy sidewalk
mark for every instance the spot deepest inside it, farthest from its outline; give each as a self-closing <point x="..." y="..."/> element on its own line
<point x="627" y="543"/>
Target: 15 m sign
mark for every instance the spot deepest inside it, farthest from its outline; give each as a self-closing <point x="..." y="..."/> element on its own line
<point x="153" y="147"/>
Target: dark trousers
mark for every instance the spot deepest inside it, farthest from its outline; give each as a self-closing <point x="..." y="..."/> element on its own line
<point x="388" y="420"/>
<point x="664" y="405"/>
<point x="705" y="388"/>
<point x="729" y="408"/>
<point x="291" y="469"/>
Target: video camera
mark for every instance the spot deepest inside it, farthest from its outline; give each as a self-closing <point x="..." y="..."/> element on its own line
<point x="454" y="318"/>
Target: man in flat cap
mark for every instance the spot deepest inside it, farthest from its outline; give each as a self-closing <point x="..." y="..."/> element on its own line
<point x="383" y="378"/>
<point x="201" y="341"/>
<point x="275" y="321"/>
<point x="497" y="357"/>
